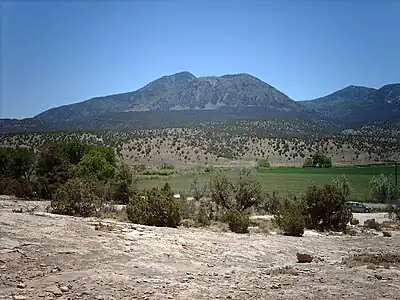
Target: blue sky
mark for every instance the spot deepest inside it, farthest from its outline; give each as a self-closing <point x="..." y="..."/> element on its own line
<point x="55" y="53"/>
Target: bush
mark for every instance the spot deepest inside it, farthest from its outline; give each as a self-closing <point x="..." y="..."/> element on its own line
<point x="383" y="189"/>
<point x="343" y="185"/>
<point x="77" y="197"/>
<point x="20" y="188"/>
<point x="198" y="190"/>
<point x="264" y="163"/>
<point x="241" y="196"/>
<point x="203" y="217"/>
<point x="318" y="160"/>
<point x="94" y="163"/>
<point x="326" y="208"/>
<point x="121" y="188"/>
<point x="290" y="217"/>
<point x="238" y="221"/>
<point x="52" y="170"/>
<point x="156" y="207"/>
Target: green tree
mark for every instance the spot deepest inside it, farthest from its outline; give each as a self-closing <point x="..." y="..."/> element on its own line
<point x="77" y="197"/>
<point x="73" y="151"/>
<point x="343" y="185"/>
<point x="95" y="163"/>
<point x="326" y="208"/>
<point x="120" y="189"/>
<point x="52" y="170"/>
<point x="16" y="163"/>
<point x="321" y="160"/>
<point x="383" y="189"/>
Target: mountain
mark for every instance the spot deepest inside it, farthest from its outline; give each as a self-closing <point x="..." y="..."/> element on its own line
<point x="117" y="103"/>
<point x="358" y="104"/>
<point x="182" y="98"/>
<point x="239" y="94"/>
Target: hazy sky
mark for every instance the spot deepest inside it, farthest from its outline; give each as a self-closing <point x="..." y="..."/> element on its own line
<point x="59" y="53"/>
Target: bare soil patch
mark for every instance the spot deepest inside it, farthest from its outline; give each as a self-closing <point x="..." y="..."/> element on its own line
<point x="46" y="256"/>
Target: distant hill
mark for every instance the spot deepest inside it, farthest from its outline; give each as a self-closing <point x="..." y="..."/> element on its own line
<point x="184" y="92"/>
<point x="359" y="104"/>
<point x="182" y="98"/>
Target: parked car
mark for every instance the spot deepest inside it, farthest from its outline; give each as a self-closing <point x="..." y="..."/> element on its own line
<point x="358" y="207"/>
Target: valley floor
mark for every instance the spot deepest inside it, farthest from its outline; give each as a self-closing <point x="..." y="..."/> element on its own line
<point x="46" y="256"/>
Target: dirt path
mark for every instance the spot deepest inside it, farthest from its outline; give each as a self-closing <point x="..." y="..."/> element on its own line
<point x="50" y="256"/>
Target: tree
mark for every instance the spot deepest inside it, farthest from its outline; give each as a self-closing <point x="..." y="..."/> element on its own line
<point x="343" y="185"/>
<point x="244" y="194"/>
<point x="16" y="163"/>
<point x="321" y="160"/>
<point x="290" y="216"/>
<point x="121" y="188"/>
<point x="155" y="207"/>
<point x="77" y="197"/>
<point x="95" y="163"/>
<point x="52" y="170"/>
<point x="73" y="151"/>
<point x="198" y="190"/>
<point x="326" y="208"/>
<point x="383" y="189"/>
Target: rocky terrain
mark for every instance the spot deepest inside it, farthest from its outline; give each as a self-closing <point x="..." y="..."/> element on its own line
<point x="46" y="256"/>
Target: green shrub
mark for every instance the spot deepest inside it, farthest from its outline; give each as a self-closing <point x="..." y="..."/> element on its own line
<point x="16" y="163"/>
<point x="326" y="208"/>
<point x="155" y="207"/>
<point x="238" y="221"/>
<point x="343" y="185"/>
<point x="246" y="193"/>
<point x="20" y="188"/>
<point x="77" y="197"/>
<point x="52" y="170"/>
<point x="290" y="217"/>
<point x="121" y="188"/>
<point x="94" y="163"/>
<point x="264" y="163"/>
<point x="318" y="160"/>
<point x="203" y="215"/>
<point x="383" y="189"/>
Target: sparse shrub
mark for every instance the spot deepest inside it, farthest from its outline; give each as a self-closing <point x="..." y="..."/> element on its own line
<point x="77" y="197"/>
<point x="198" y="190"/>
<point x="343" y="185"/>
<point x="245" y="194"/>
<point x="326" y="208"/>
<point x="238" y="221"/>
<point x="264" y="163"/>
<point x="383" y="189"/>
<point x="290" y="217"/>
<point x="203" y="215"/>
<point x="156" y="207"/>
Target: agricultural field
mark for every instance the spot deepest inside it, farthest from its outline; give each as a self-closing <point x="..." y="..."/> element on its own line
<point x="283" y="180"/>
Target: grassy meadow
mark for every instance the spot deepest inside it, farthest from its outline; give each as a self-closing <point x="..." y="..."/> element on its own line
<point x="284" y="180"/>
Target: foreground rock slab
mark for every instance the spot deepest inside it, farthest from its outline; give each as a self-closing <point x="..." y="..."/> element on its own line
<point x="60" y="257"/>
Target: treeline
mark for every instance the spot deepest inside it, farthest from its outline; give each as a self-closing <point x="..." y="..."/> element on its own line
<point x="28" y="174"/>
<point x="80" y="179"/>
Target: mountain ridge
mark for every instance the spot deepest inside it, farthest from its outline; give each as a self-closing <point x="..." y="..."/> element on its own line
<point x="183" y="97"/>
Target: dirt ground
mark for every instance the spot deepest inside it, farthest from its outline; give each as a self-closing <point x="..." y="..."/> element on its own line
<point x="46" y="256"/>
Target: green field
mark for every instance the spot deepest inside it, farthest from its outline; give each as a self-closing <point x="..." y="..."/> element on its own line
<point x="283" y="180"/>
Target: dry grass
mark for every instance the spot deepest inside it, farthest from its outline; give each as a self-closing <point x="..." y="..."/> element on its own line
<point x="373" y="259"/>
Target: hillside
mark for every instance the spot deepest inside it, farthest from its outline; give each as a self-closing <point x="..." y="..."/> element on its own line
<point x="225" y="97"/>
<point x="182" y="100"/>
<point x="359" y="104"/>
